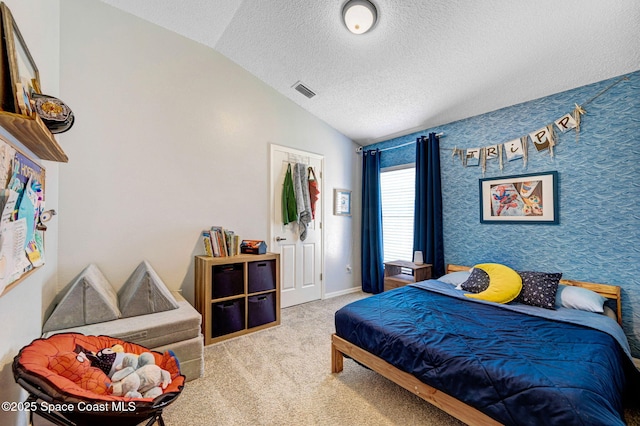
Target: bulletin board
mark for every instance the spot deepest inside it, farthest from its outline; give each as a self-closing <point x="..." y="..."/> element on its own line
<point x="22" y="199"/>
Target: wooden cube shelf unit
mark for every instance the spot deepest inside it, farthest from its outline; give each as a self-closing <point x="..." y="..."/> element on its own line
<point x="237" y="295"/>
<point x="395" y="273"/>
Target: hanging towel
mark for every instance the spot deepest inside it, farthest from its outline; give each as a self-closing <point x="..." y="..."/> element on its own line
<point x="289" y="207"/>
<point x="314" y="192"/>
<point x="301" y="189"/>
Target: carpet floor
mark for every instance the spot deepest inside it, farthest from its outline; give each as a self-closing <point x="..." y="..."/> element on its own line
<point x="282" y="376"/>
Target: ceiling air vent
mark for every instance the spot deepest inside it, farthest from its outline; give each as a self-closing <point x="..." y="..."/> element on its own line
<point x="304" y="90"/>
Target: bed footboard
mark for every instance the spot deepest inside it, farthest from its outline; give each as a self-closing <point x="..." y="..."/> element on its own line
<point x="448" y="404"/>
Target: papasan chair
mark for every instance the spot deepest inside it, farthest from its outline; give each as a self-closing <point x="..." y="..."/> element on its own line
<point x="85" y="400"/>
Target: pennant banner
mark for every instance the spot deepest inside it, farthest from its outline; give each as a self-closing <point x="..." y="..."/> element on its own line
<point x="543" y="139"/>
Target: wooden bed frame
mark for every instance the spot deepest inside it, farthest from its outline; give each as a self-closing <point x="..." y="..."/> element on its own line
<point x="447" y="403"/>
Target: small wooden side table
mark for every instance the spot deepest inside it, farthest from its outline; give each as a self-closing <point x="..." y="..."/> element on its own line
<point x="395" y="277"/>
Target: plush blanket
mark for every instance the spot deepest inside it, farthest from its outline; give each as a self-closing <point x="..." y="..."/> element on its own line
<point x="517" y="367"/>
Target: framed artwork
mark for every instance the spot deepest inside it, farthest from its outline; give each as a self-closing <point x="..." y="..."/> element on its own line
<point x="530" y="198"/>
<point x="21" y="79"/>
<point x="341" y="202"/>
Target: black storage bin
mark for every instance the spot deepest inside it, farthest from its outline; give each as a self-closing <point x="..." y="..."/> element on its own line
<point x="262" y="309"/>
<point x="228" y="280"/>
<point x="228" y="317"/>
<point x="262" y="276"/>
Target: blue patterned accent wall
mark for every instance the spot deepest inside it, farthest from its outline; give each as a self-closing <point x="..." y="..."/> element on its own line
<point x="598" y="237"/>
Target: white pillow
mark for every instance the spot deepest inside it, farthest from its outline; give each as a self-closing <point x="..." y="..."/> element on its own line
<point x="574" y="297"/>
<point x="455" y="278"/>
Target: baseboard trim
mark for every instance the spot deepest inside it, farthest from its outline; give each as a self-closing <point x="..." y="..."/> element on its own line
<point x="342" y="292"/>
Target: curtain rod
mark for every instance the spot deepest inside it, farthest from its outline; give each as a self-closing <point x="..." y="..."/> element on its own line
<point x="361" y="148"/>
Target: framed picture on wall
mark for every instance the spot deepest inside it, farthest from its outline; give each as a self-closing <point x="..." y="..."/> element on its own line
<point x="525" y="199"/>
<point x="342" y="202"/>
<point x="19" y="73"/>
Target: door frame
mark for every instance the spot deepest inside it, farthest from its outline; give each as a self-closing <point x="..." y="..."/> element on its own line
<point x="272" y="185"/>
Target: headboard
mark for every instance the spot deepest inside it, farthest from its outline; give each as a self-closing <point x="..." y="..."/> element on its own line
<point x="607" y="290"/>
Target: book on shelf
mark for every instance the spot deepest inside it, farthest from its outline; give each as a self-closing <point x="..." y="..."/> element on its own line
<point x="218" y="231"/>
<point x="206" y="240"/>
<point x="215" y="245"/>
<point x="229" y="238"/>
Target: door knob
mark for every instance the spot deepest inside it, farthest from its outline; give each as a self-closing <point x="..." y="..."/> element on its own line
<point x="280" y="239"/>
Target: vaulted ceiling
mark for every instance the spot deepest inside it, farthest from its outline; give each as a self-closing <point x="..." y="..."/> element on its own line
<point x="425" y="63"/>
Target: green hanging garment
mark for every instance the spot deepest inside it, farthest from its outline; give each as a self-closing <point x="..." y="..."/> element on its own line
<point x="289" y="206"/>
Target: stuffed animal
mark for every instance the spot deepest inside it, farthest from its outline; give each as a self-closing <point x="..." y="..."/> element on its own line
<point x="130" y="363"/>
<point x="108" y="360"/>
<point x="77" y="368"/>
<point x="140" y="377"/>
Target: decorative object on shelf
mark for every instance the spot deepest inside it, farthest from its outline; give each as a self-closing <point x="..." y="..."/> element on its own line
<point x="22" y="75"/>
<point x="55" y="114"/>
<point x="253" y="247"/>
<point x="529" y="198"/>
<point x="341" y="202"/>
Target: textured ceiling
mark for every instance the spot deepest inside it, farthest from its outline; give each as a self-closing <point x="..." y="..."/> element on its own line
<point x="425" y="63"/>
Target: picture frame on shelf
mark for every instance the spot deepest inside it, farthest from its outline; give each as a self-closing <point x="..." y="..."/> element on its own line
<point x="19" y="72"/>
<point x="342" y="202"/>
<point x="521" y="199"/>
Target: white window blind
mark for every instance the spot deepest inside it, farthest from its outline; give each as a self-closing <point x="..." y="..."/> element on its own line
<point x="397" y="188"/>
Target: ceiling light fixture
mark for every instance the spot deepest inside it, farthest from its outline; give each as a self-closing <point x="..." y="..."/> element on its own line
<point x="359" y="16"/>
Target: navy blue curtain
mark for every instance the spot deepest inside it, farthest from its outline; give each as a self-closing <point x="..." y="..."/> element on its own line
<point x="372" y="254"/>
<point x="427" y="228"/>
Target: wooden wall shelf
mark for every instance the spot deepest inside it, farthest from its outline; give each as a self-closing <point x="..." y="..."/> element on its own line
<point x="33" y="134"/>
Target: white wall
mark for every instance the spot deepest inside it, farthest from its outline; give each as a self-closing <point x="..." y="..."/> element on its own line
<point x="21" y="310"/>
<point x="170" y="138"/>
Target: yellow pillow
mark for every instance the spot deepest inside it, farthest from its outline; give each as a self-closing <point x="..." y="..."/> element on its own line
<point x="504" y="283"/>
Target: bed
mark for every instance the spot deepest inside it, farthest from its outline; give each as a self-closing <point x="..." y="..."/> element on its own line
<point x="488" y="364"/>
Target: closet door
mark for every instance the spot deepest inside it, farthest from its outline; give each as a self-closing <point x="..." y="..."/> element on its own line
<point x="301" y="260"/>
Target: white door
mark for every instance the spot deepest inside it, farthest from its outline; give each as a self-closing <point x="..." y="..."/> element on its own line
<point x="300" y="261"/>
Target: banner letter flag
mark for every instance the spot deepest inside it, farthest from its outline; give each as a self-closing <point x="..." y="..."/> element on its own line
<point x="492" y="152"/>
<point x="473" y="157"/>
<point x="540" y="139"/>
<point x="513" y="149"/>
<point x="566" y="122"/>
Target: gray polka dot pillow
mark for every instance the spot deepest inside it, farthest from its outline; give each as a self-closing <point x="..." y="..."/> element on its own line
<point x="477" y="282"/>
<point x="539" y="289"/>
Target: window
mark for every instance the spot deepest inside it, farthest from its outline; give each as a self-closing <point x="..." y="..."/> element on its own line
<point x="397" y="188"/>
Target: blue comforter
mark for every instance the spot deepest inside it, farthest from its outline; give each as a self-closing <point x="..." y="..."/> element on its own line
<point x="511" y="362"/>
